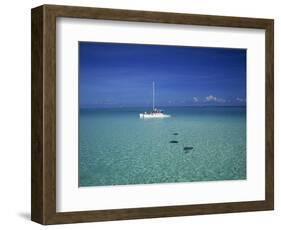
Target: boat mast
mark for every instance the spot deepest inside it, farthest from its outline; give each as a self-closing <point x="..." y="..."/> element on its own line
<point x="153" y="95"/>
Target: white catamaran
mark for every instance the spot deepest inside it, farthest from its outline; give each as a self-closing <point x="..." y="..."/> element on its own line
<point x="155" y="113"/>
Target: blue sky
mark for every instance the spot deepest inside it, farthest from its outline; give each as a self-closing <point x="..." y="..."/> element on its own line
<point x="114" y="75"/>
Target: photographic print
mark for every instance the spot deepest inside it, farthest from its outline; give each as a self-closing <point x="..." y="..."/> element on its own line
<point x="151" y="114"/>
<point x="175" y="109"/>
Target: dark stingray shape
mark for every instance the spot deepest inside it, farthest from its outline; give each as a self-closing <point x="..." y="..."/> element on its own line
<point x="174" y="142"/>
<point x="187" y="148"/>
<point x="175" y="134"/>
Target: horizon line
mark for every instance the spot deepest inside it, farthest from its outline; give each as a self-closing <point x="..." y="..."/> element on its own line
<point x="143" y="106"/>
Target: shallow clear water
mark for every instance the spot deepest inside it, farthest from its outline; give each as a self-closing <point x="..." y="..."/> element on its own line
<point x="116" y="147"/>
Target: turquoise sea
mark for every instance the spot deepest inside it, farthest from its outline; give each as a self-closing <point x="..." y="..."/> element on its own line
<point x="116" y="147"/>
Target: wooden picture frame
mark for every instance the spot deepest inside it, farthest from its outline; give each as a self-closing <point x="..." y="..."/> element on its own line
<point x="43" y="202"/>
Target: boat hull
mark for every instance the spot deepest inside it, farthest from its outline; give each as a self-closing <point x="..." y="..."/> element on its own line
<point x="155" y="115"/>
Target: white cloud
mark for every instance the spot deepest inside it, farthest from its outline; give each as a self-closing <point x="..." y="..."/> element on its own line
<point x="240" y="99"/>
<point x="195" y="99"/>
<point x="212" y="98"/>
<point x="220" y="100"/>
